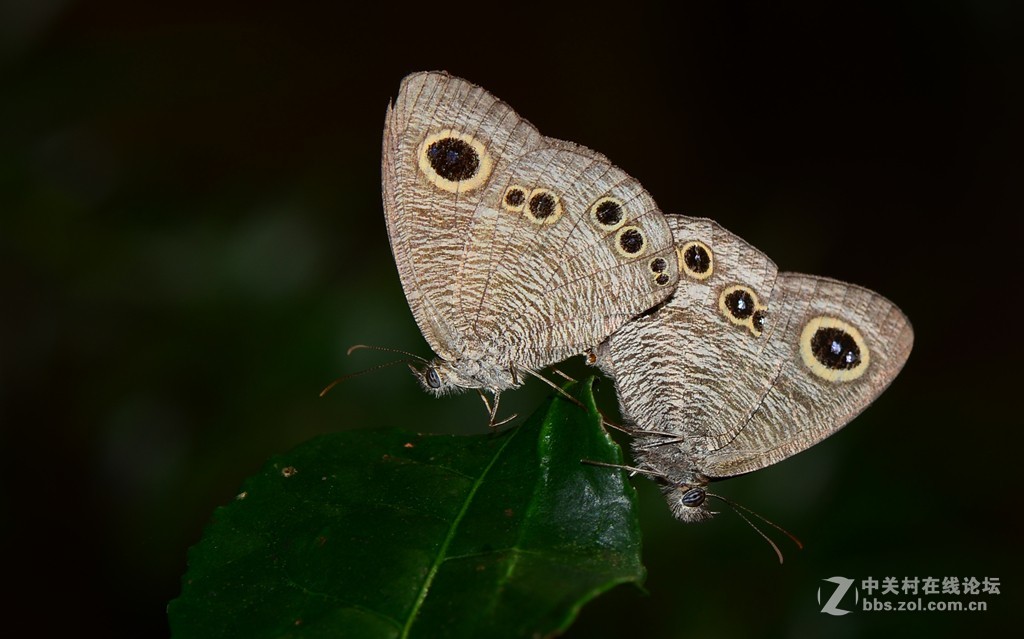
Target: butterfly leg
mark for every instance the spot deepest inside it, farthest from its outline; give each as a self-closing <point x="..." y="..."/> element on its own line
<point x="604" y="422"/>
<point x="670" y="438"/>
<point x="563" y="375"/>
<point x="619" y="427"/>
<point x="633" y="470"/>
<point x="559" y="389"/>
<point x="562" y="392"/>
<point x="492" y="410"/>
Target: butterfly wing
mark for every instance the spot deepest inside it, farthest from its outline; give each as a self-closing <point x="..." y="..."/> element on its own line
<point x="512" y="247"/>
<point x="548" y="291"/>
<point x="687" y="369"/>
<point x="427" y="215"/>
<point x="739" y="364"/>
<point x="836" y="347"/>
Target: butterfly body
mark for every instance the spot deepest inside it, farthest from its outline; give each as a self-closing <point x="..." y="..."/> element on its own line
<point x="440" y="376"/>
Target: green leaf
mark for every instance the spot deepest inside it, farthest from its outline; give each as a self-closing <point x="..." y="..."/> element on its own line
<point x="386" y="533"/>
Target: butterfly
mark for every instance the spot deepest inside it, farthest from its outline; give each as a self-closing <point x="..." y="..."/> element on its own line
<point x="515" y="250"/>
<point x="745" y="366"/>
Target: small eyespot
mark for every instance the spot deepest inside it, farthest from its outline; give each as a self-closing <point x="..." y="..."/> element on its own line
<point x="696" y="260"/>
<point x="454" y="161"/>
<point x="432" y="378"/>
<point x="693" y="497"/>
<point x="833" y="349"/>
<point x="759" y="321"/>
<point x="629" y="241"/>
<point x="739" y="304"/>
<point x="514" y="198"/>
<point x="543" y="206"/>
<point x="607" y="213"/>
<point x="659" y="266"/>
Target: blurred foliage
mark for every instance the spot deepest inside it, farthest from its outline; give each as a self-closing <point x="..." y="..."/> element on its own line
<point x="191" y="236"/>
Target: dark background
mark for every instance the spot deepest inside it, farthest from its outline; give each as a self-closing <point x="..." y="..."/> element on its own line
<point x="192" y="235"/>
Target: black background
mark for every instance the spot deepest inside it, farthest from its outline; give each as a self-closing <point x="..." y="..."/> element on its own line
<point x="192" y="236"/>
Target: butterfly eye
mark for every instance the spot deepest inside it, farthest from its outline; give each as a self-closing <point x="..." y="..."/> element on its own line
<point x="433" y="380"/>
<point x="693" y="497"/>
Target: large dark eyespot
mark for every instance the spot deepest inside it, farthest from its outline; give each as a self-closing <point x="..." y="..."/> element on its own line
<point x="630" y="241"/>
<point x="697" y="260"/>
<point x="740" y="303"/>
<point x="694" y="497"/>
<point x="453" y="159"/>
<point x="433" y="380"/>
<point x="835" y="348"/>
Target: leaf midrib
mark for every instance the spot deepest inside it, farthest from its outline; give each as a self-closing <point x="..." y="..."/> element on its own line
<point x="442" y="551"/>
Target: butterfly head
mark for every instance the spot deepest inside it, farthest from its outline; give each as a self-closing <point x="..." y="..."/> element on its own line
<point x="439" y="377"/>
<point x="430" y="378"/>
<point x="442" y="377"/>
<point x="689" y="503"/>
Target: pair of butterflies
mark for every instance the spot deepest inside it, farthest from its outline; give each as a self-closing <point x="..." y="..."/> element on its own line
<point x="517" y="251"/>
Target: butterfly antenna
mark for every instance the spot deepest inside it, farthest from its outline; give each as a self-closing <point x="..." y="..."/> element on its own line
<point x="359" y="347"/>
<point x="737" y="508"/>
<point x="358" y="373"/>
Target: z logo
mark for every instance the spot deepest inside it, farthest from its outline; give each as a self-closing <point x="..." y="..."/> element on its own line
<point x="842" y="585"/>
